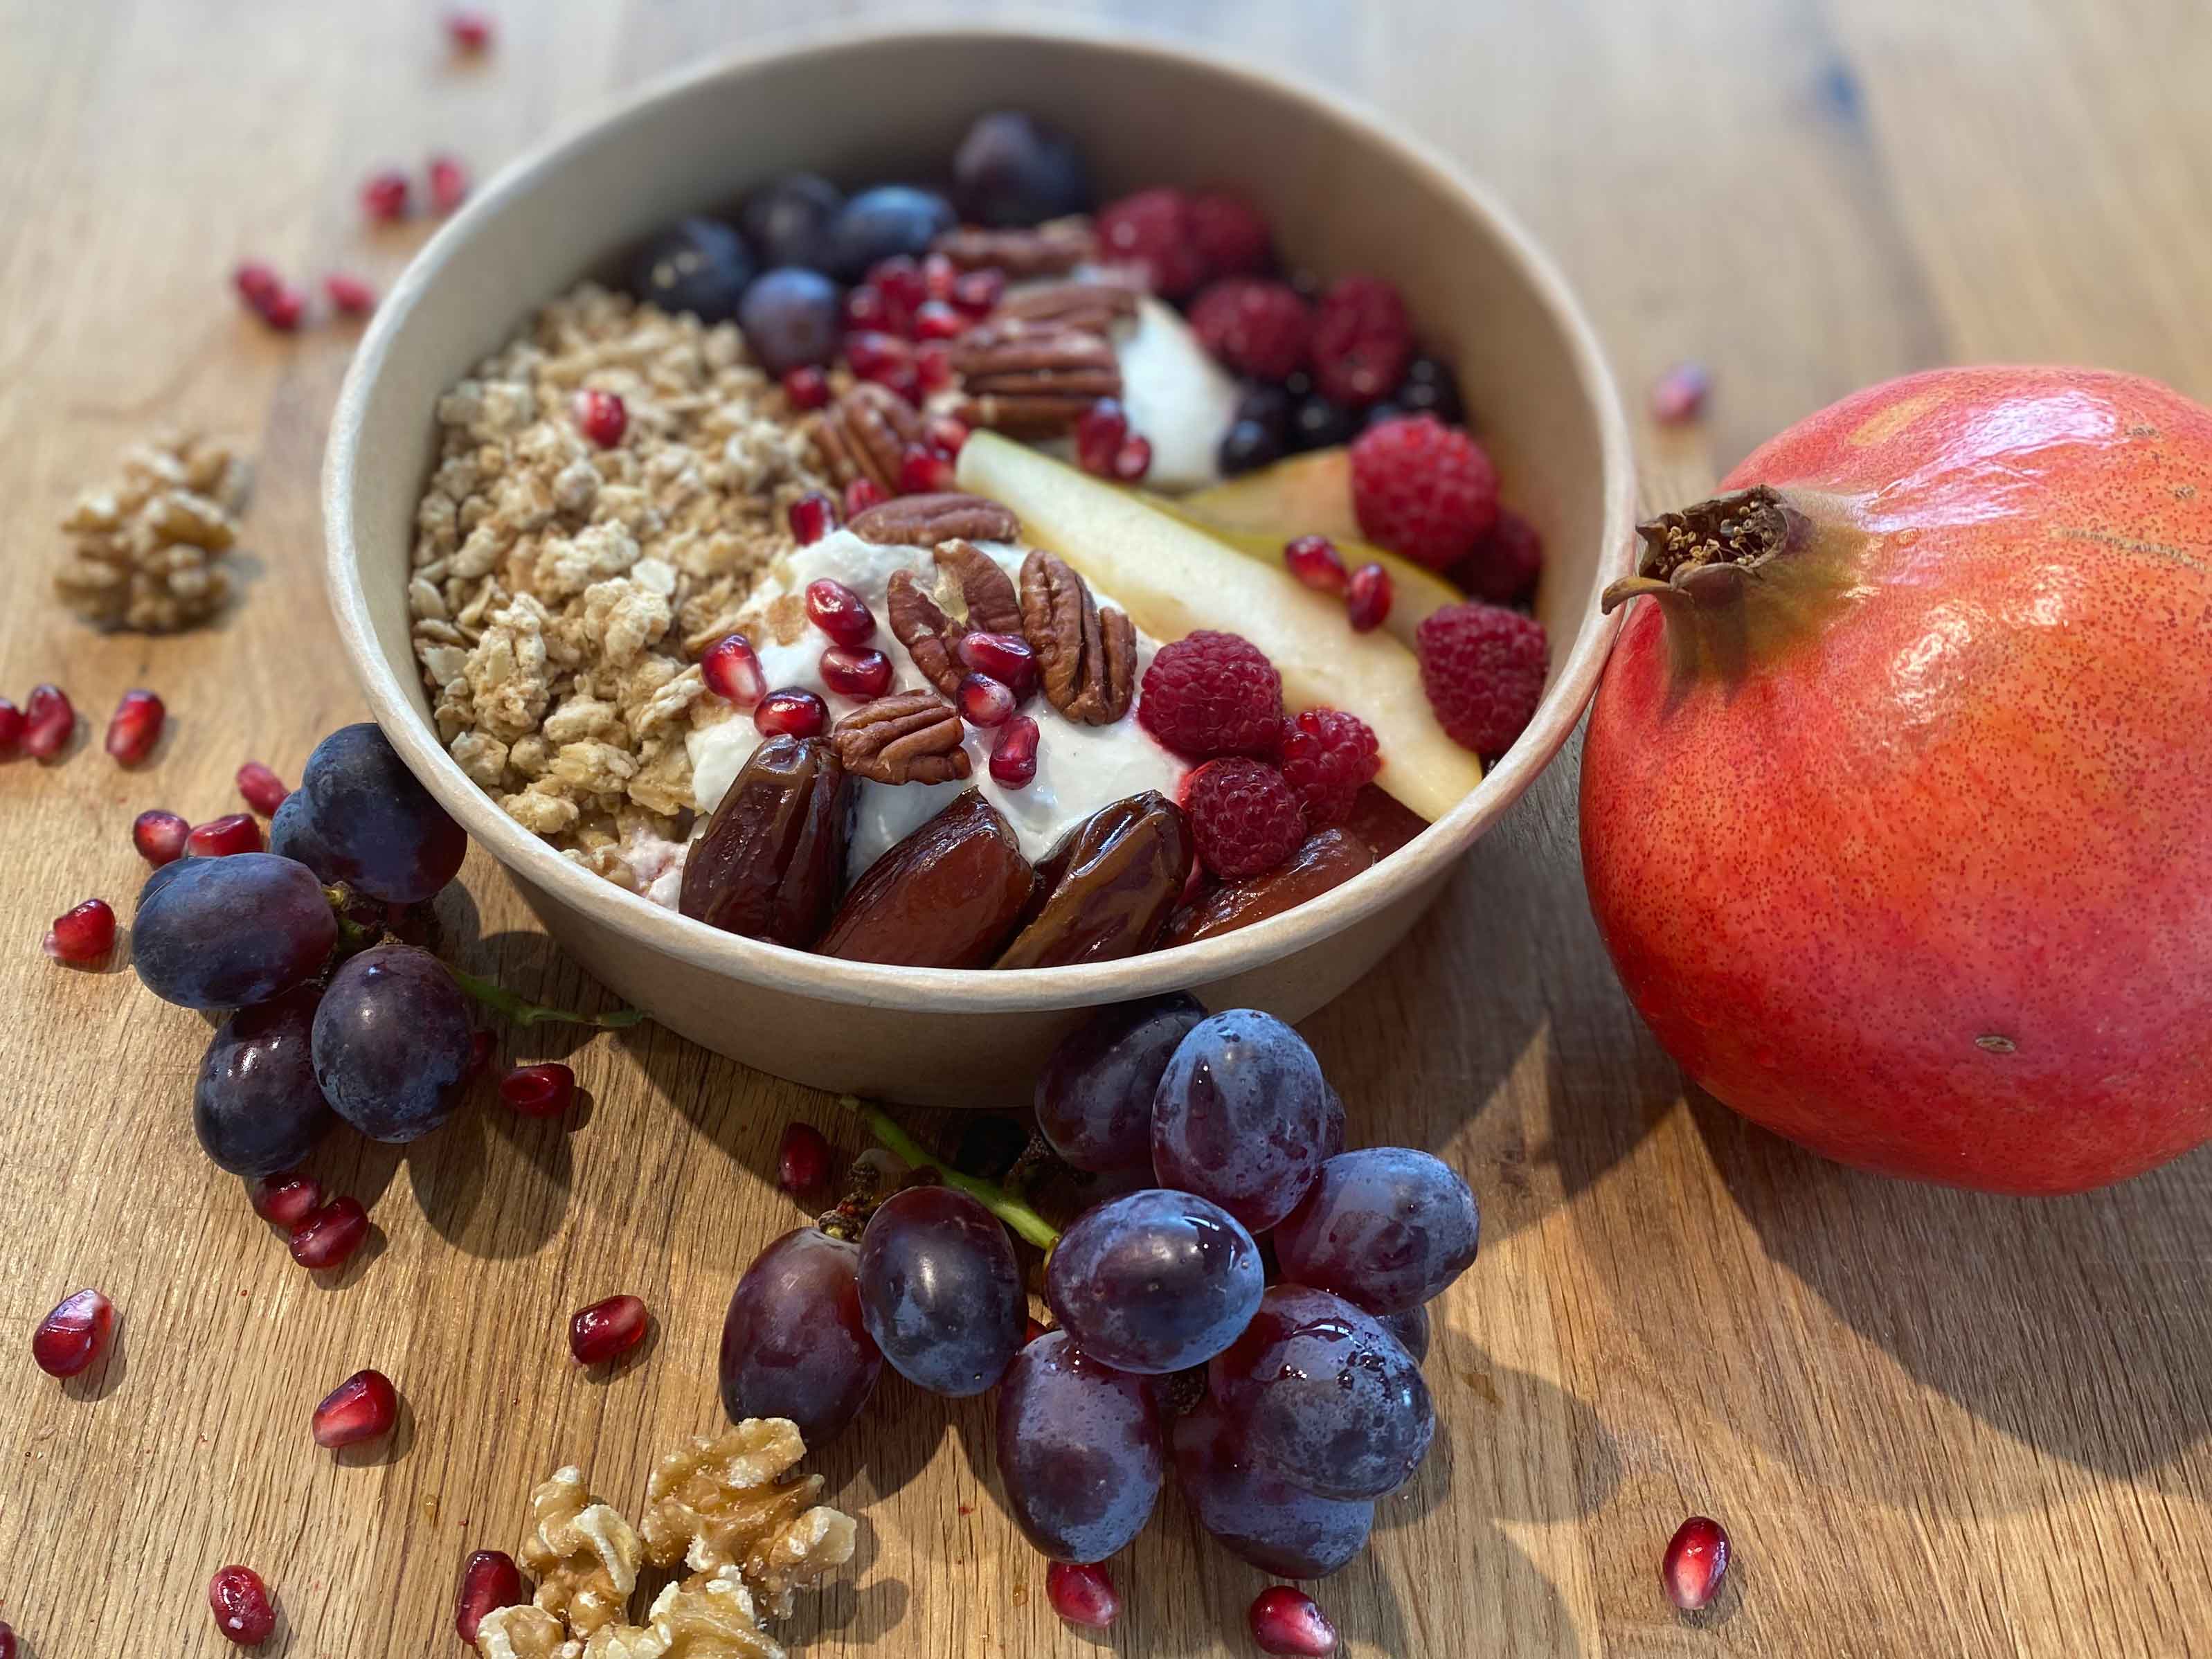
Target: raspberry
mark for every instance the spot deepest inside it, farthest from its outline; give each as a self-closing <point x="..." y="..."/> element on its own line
<point x="1229" y="233"/>
<point x="1483" y="668"/>
<point x="1505" y="564"/>
<point x="1244" y="818"/>
<point x="1152" y="228"/>
<point x="1362" y="341"/>
<point x="1258" y="328"/>
<point x="1327" y="757"/>
<point x="1424" y="489"/>
<point x="1212" y="693"/>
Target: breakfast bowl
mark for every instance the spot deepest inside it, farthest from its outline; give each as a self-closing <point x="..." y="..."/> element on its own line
<point x="1342" y="193"/>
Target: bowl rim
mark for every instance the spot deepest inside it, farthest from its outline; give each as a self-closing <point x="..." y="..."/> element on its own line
<point x="1426" y="859"/>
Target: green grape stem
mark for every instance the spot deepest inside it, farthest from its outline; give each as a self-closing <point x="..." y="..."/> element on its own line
<point x="1025" y="1222"/>
<point x="501" y="1000"/>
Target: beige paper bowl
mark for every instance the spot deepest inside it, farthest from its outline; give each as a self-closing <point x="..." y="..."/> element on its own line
<point x="1343" y="193"/>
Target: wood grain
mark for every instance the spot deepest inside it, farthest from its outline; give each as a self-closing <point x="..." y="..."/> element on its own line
<point x="1934" y="1423"/>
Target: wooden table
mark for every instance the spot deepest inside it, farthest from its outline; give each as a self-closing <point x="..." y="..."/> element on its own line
<point x="1935" y="1424"/>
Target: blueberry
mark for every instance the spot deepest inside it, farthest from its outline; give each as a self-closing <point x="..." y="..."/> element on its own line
<point x="786" y="220"/>
<point x="887" y="220"/>
<point x="1317" y="423"/>
<point x="1376" y="414"/>
<point x="1266" y="405"/>
<point x="1247" y="446"/>
<point x="1014" y="170"/>
<point x="790" y="318"/>
<point x="1431" y="388"/>
<point x="698" y="265"/>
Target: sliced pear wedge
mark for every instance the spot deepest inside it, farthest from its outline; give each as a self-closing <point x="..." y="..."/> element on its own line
<point x="1173" y="578"/>
<point x="1310" y="493"/>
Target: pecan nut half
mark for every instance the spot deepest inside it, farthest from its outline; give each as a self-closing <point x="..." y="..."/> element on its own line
<point x="908" y="737"/>
<point x="1086" y="305"/>
<point x="926" y="520"/>
<point x="1032" y="379"/>
<point x="931" y="637"/>
<point x="864" y="434"/>
<point x="1086" y="657"/>
<point x="1052" y="249"/>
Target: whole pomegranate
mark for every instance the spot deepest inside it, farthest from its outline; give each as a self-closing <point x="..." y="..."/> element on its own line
<point x="1897" y="796"/>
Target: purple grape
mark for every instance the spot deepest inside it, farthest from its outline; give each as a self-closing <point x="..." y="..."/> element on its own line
<point x="1411" y="1327"/>
<point x="888" y="220"/>
<point x="1244" y="1117"/>
<point x="1156" y="1282"/>
<point x="292" y="835"/>
<point x="232" y="932"/>
<point x="698" y="265"/>
<point x="794" y="1344"/>
<point x="382" y="832"/>
<point x="1014" y="170"/>
<point x="257" y="1107"/>
<point x="1079" y="1450"/>
<point x="1329" y="1400"/>
<point x="393" y="1047"/>
<point x="1268" y="1522"/>
<point x="791" y="318"/>
<point x="1094" y="1097"/>
<point x="940" y="1291"/>
<point x="787" y="219"/>
<point x="1386" y="1228"/>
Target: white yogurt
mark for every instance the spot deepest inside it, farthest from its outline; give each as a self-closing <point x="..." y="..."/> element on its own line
<point x="1179" y="399"/>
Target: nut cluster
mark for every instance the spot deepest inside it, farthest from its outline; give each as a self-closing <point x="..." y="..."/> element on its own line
<point x="145" y="549"/>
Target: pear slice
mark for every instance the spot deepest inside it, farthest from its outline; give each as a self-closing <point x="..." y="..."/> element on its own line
<point x="1308" y="495"/>
<point x="1173" y="578"/>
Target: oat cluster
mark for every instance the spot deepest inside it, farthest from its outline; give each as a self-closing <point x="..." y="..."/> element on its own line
<point x="145" y="550"/>
<point x="560" y="592"/>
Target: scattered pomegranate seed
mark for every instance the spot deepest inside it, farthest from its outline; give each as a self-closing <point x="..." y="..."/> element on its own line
<point x="1695" y="1561"/>
<point x="1099" y="434"/>
<point x="984" y="701"/>
<point x="240" y="1601"/>
<point x="860" y="671"/>
<point x="71" y="1337"/>
<point x="1082" y="1596"/>
<point x="545" y="1090"/>
<point x="601" y="416"/>
<point x="607" y="1330"/>
<point x="732" y="671"/>
<point x="348" y="295"/>
<point x="866" y="310"/>
<point x="813" y="516"/>
<point x="470" y="29"/>
<point x="840" y="612"/>
<point x="11" y="726"/>
<point x="923" y="471"/>
<point x="49" y="722"/>
<point x="7" y="1641"/>
<point x="1032" y="1328"/>
<point x="1005" y="658"/>
<point x="791" y="713"/>
<point x="218" y="838"/>
<point x="1133" y="459"/>
<point x="862" y="494"/>
<point x="808" y="387"/>
<point x="287" y="1198"/>
<point x="136" y="726"/>
<point x="1367" y="598"/>
<point x="938" y="276"/>
<point x="327" y="1237"/>
<point x="385" y="196"/>
<point x="159" y="837"/>
<point x="938" y="320"/>
<point x="489" y="1581"/>
<point x="1314" y="561"/>
<point x="1679" y="394"/>
<point x="480" y="1048"/>
<point x="257" y="284"/>
<point x="85" y="933"/>
<point x="362" y="1407"/>
<point x="978" y="293"/>
<point x="264" y="790"/>
<point x="933" y="368"/>
<point x="284" y="310"/>
<point x="1014" y="753"/>
<point x="901" y="281"/>
<point x="1286" y="1621"/>
<point x="449" y="184"/>
<point x="878" y="356"/>
<point x="945" y="434"/>
<point x="802" y="1162"/>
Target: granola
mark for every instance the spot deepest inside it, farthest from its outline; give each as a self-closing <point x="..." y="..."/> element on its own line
<point x="145" y="550"/>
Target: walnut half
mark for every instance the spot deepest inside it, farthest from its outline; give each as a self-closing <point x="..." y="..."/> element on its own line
<point x="583" y="1554"/>
<point x="732" y="1502"/>
<point x="145" y="550"/>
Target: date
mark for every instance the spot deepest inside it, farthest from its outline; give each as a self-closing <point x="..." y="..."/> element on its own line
<point x="1326" y="859"/>
<point x="1106" y="890"/>
<point x="772" y="861"/>
<point x="949" y="895"/>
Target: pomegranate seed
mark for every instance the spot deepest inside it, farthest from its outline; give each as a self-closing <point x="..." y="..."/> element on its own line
<point x="840" y="612"/>
<point x="480" y="1048"/>
<point x="1014" y="753"/>
<point x="7" y="1641"/>
<point x="939" y="276"/>
<point x="240" y="1601"/>
<point x="257" y="284"/>
<point x="791" y="713"/>
<point x="933" y="368"/>
<point x="856" y="671"/>
<point x="327" y="1237"/>
<point x="362" y="1407"/>
<point x="1099" y="436"/>
<point x="49" y="721"/>
<point x="264" y="790"/>
<point x="1678" y="395"/>
<point x="939" y="321"/>
<point x="900" y="281"/>
<point x="85" y="933"/>
<point x="601" y="416"/>
<point x="544" y="1091"/>
<point x="1367" y="598"/>
<point x="489" y="1581"/>
<point x="348" y="295"/>
<point x="867" y="310"/>
<point x="876" y="356"/>
<point x="802" y="1162"/>
<point x="71" y="1337"/>
<point x="286" y="1199"/>
<point x="984" y="701"/>
<point x="606" y="1330"/>
<point x="1032" y="1328"/>
<point x="808" y="387"/>
<point x="159" y="837"/>
<point x="1082" y="1596"/>
<point x="979" y="292"/>
<point x="1695" y="1561"/>
<point x="947" y="435"/>
<point x="813" y="516"/>
<point x="1007" y="658"/>
<point x="1285" y="1620"/>
<point x="862" y="494"/>
<point x="218" y="838"/>
<point x="469" y="29"/>
<point x="1133" y="459"/>
<point x="136" y="726"/>
<point x="385" y="196"/>
<point x="449" y="184"/>
<point x="732" y="670"/>
<point x="1314" y="561"/>
<point x="923" y="471"/>
<point x="284" y="310"/>
<point x="11" y="726"/>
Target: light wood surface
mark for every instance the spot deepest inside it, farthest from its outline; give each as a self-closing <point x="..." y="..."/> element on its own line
<point x="1934" y="1423"/>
